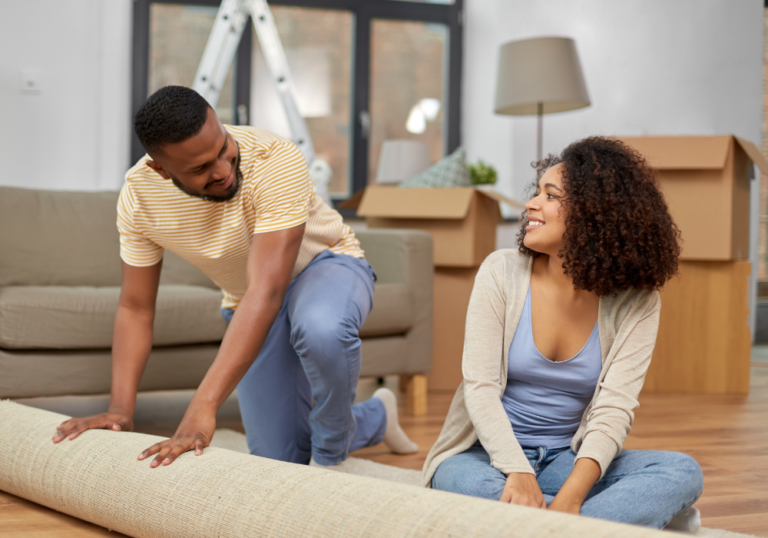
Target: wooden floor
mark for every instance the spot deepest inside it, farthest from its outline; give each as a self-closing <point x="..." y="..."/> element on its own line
<point x="728" y="436"/>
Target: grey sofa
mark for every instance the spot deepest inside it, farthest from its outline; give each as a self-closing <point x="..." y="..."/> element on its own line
<point x="60" y="284"/>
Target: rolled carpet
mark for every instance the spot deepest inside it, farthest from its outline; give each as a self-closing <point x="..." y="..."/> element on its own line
<point x="223" y="493"/>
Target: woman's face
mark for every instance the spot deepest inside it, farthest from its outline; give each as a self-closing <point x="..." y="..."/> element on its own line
<point x="545" y="225"/>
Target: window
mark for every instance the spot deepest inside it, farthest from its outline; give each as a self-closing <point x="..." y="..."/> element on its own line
<point x="407" y="86"/>
<point x="318" y="47"/>
<point x="365" y="71"/>
<point x="762" y="234"/>
<point x="177" y="37"/>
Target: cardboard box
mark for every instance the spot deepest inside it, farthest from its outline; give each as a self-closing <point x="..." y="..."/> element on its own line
<point x="705" y="180"/>
<point x="462" y="221"/>
<point x="703" y="345"/>
<point x="453" y="287"/>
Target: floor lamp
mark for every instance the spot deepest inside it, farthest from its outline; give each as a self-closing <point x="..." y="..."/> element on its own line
<point x="539" y="76"/>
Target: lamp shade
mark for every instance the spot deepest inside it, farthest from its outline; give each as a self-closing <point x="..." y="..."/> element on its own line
<point x="401" y="160"/>
<point x="542" y="70"/>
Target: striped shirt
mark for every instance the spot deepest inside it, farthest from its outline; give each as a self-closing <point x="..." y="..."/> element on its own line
<point x="276" y="193"/>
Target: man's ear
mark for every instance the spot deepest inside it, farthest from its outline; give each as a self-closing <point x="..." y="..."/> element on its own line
<point x="158" y="168"/>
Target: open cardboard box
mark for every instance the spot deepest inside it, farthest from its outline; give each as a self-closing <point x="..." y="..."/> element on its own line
<point x="705" y="180"/>
<point x="461" y="220"/>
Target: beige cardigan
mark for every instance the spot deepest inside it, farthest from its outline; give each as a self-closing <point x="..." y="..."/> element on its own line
<point x="628" y="323"/>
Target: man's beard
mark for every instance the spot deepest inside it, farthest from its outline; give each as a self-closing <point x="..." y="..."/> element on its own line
<point x="227" y="196"/>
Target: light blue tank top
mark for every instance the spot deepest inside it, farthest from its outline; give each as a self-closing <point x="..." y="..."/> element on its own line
<point x="545" y="400"/>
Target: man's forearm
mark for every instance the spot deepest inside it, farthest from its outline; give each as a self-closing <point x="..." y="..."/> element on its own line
<point x="131" y="344"/>
<point x="242" y="342"/>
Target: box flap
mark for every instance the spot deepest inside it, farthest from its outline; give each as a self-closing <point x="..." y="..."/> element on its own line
<point x="681" y="152"/>
<point x="353" y="202"/>
<point x="493" y="195"/>
<point x="755" y="154"/>
<point x="394" y="202"/>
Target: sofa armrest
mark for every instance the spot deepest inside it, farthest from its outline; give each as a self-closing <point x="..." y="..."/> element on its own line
<point x="405" y="256"/>
<point x="402" y="256"/>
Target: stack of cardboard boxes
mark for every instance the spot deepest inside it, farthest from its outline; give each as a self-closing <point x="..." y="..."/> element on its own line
<point x="703" y="345"/>
<point x="462" y="222"/>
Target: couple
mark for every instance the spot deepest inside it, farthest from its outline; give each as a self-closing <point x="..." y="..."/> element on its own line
<point x="541" y="415"/>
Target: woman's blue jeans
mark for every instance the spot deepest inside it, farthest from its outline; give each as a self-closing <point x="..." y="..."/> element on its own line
<point x="642" y="487"/>
<point x="312" y="356"/>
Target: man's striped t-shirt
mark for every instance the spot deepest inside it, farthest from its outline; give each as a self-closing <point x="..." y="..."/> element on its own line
<point x="276" y="193"/>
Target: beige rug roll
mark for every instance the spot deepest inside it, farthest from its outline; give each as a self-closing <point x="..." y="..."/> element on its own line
<point x="223" y="493"/>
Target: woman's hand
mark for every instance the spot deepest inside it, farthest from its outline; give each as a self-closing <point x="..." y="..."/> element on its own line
<point x="562" y="504"/>
<point x="116" y="419"/>
<point x="194" y="433"/>
<point x="523" y="489"/>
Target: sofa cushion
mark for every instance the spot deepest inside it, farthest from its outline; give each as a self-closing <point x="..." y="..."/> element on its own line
<point x="391" y="314"/>
<point x="60" y="238"/>
<point x="79" y="317"/>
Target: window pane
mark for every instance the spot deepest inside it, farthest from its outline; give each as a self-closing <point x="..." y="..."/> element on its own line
<point x="762" y="248"/>
<point x="177" y="38"/>
<point x="407" y="86"/>
<point x="318" y="46"/>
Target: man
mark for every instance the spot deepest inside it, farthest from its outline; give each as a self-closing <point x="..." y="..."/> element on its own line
<point x="238" y="203"/>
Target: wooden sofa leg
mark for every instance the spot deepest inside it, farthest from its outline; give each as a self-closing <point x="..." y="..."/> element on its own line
<point x="415" y="387"/>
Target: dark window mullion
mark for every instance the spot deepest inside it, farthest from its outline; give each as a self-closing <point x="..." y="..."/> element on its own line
<point x="140" y="68"/>
<point x="243" y="75"/>
<point x="455" y="40"/>
<point x="379" y="9"/>
<point x="361" y="100"/>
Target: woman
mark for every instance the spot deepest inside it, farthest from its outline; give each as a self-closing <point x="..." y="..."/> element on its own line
<point x="559" y="336"/>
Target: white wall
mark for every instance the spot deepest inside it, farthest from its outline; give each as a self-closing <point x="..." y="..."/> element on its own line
<point x="652" y="67"/>
<point x="74" y="133"/>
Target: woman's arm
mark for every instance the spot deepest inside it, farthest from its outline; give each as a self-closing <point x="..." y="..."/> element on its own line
<point x="482" y="364"/>
<point x="571" y="496"/>
<point x="610" y="418"/>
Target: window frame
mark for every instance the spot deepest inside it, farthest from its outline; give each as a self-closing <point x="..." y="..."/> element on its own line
<point x="364" y="13"/>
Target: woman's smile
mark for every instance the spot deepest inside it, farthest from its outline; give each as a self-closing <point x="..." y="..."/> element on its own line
<point x="533" y="224"/>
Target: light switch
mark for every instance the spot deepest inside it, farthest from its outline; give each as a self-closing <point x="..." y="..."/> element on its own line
<point x="31" y="81"/>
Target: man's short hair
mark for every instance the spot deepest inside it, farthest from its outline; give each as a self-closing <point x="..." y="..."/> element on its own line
<point x="172" y="114"/>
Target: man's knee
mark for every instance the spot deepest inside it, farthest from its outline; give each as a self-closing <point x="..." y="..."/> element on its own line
<point x="326" y="340"/>
<point x="280" y="451"/>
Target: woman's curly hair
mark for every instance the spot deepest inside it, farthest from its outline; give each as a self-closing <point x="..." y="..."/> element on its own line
<point x="618" y="231"/>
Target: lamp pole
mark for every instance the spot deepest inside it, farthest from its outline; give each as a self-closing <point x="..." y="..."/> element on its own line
<point x="539" y="128"/>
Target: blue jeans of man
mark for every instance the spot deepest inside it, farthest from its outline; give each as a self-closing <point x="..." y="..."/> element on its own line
<point x="641" y="487"/>
<point x="312" y="355"/>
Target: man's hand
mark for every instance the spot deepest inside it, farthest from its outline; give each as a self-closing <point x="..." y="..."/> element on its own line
<point x="194" y="433"/>
<point x="523" y="489"/>
<point x="114" y="419"/>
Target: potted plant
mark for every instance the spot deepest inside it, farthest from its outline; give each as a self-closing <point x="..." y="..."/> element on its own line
<point x="483" y="175"/>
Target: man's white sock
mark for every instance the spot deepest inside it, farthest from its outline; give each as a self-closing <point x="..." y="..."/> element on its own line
<point x="394" y="437"/>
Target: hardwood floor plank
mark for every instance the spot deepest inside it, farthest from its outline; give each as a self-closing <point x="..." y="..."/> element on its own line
<point x="20" y="518"/>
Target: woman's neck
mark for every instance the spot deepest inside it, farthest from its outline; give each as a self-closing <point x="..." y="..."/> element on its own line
<point x="550" y="269"/>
